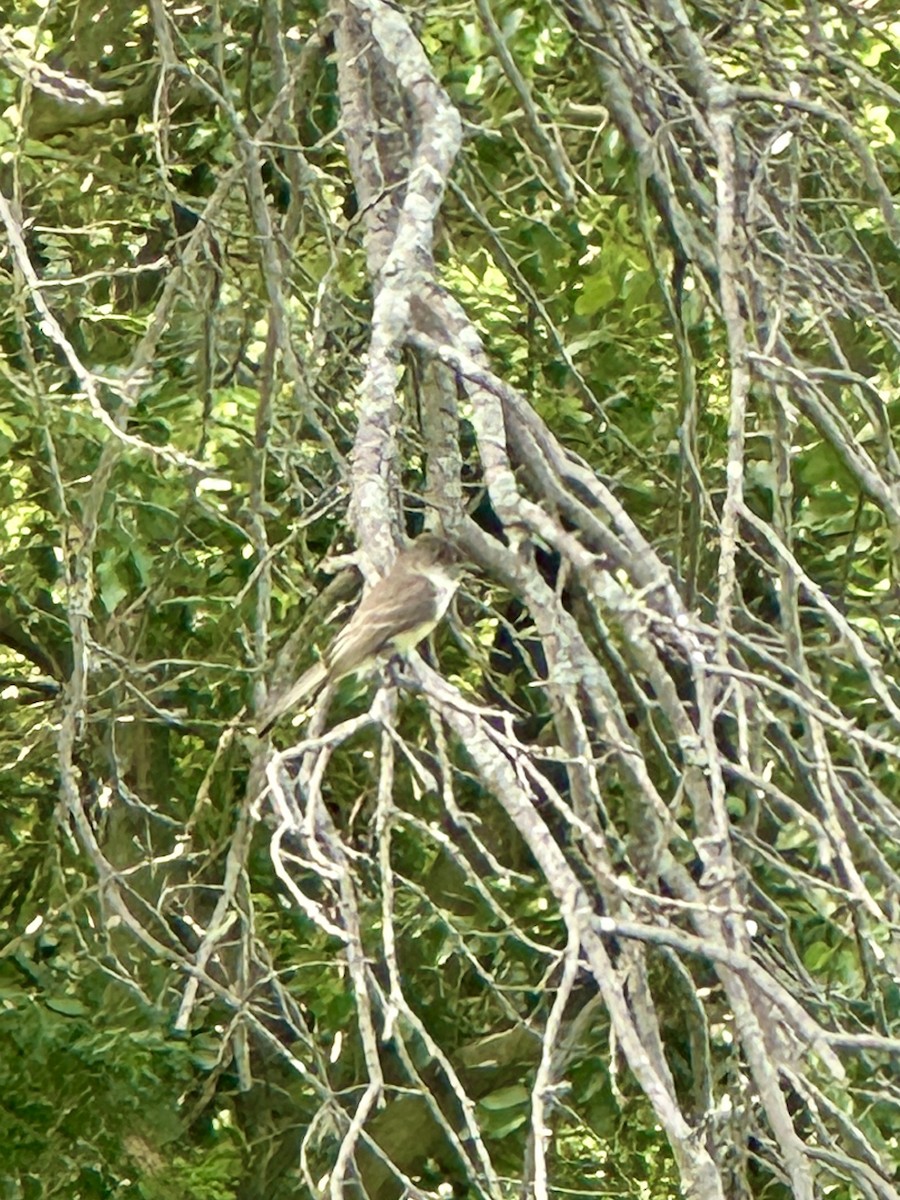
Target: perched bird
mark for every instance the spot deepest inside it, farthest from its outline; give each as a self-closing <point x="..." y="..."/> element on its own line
<point x="395" y="615"/>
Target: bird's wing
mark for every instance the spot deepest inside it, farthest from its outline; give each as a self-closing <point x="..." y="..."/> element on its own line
<point x="392" y="608"/>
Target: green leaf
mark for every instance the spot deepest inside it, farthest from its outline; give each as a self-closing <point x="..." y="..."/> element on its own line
<point x="817" y="956"/>
<point x="597" y="292"/>
<point x="66" y="1006"/>
<point x="507" y="1097"/>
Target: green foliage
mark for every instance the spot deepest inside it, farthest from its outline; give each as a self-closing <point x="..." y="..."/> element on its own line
<point x="87" y="1070"/>
<point x="177" y="460"/>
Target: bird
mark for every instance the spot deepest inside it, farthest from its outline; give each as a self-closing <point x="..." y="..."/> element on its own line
<point x="395" y="615"/>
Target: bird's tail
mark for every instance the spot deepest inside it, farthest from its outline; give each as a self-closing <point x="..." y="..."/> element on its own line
<point x="310" y="681"/>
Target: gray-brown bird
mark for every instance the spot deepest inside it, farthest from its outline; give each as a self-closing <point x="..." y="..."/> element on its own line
<point x="394" y="616"/>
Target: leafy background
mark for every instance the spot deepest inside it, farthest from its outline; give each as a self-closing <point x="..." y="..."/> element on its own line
<point x="189" y="309"/>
